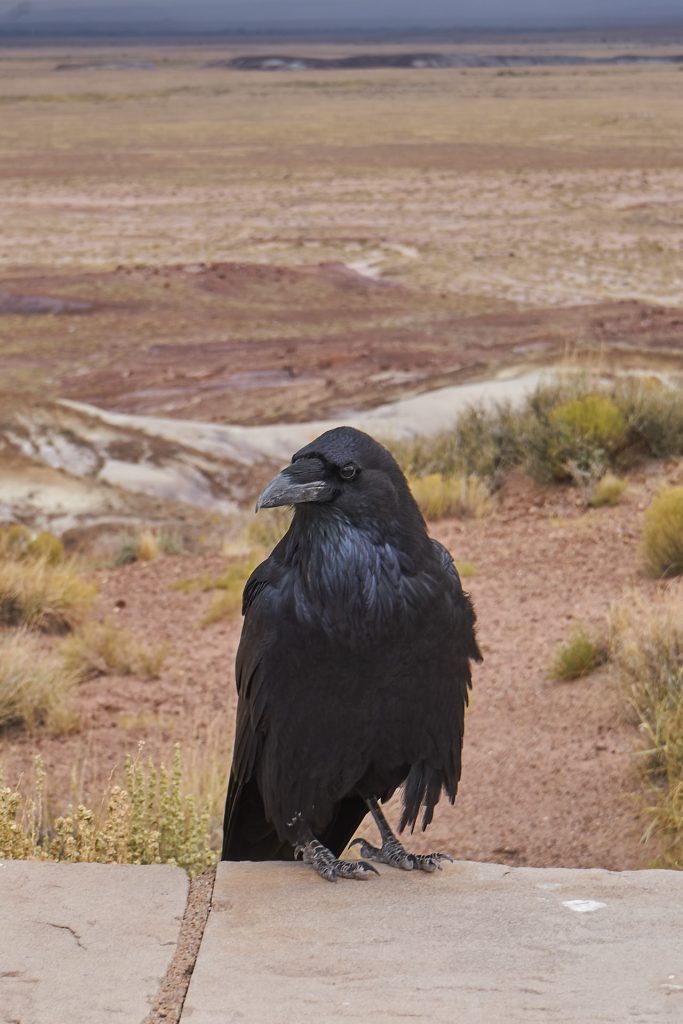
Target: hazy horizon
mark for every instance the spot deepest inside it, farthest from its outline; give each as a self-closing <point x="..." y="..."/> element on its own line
<point x="310" y="16"/>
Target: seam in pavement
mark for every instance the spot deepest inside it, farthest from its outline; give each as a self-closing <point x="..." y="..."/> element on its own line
<point x="168" y="1005"/>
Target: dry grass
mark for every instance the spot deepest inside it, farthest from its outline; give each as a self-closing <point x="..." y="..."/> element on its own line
<point x="663" y="533"/>
<point x="17" y="543"/>
<point x="267" y="528"/>
<point x="40" y="595"/>
<point x="35" y="687"/>
<point x="150" y="817"/>
<point x="100" y="648"/>
<point x="578" y="656"/>
<point x="646" y="647"/>
<point x="608" y="491"/>
<point x="147" y="546"/>
<point x="439" y="496"/>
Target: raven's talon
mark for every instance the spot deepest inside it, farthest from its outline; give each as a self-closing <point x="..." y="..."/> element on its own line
<point x="330" y="867"/>
<point x="395" y="855"/>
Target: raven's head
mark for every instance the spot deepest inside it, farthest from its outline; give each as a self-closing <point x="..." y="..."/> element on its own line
<point x="343" y="471"/>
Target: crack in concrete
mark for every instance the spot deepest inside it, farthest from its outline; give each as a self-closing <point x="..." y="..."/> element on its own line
<point x="67" y="928"/>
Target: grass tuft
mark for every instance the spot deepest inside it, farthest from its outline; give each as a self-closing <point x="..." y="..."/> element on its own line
<point x="608" y="491"/>
<point x="663" y="533"/>
<point x="646" y="648"/>
<point x="578" y="656"/>
<point x="40" y="595"/>
<point x="439" y="496"/>
<point x="35" y="688"/>
<point x="99" y="648"/>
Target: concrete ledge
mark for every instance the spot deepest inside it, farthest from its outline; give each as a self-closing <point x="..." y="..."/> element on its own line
<point x="476" y="944"/>
<point x="85" y="943"/>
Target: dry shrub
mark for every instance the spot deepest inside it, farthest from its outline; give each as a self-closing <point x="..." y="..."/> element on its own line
<point x="35" y="593"/>
<point x="439" y="496"/>
<point x="35" y="688"/>
<point x="578" y="656"/>
<point x="227" y="605"/>
<point x="663" y="533"/>
<point x="653" y="412"/>
<point x="17" y="543"/>
<point x="646" y="647"/>
<point x="608" y="491"/>
<point x="150" y="818"/>
<point x="147" y="546"/>
<point x="99" y="648"/>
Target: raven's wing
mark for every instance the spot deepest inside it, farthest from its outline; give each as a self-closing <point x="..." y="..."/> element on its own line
<point x="466" y="619"/>
<point x="247" y="834"/>
<point x="425" y="782"/>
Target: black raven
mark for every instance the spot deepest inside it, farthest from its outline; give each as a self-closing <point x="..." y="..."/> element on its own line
<point x="352" y="670"/>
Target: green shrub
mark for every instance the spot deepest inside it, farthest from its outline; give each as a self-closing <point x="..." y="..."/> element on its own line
<point x="646" y="648"/>
<point x="653" y="413"/>
<point x="578" y="656"/>
<point x="48" y="547"/>
<point x="35" y="688"/>
<point x="150" y="819"/>
<point x="663" y="533"/>
<point x="607" y="491"/>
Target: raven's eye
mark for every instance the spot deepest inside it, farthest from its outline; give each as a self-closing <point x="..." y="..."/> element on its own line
<point x="349" y="471"/>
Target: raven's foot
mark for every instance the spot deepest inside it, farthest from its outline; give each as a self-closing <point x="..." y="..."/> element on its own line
<point x="329" y="867"/>
<point x="393" y="853"/>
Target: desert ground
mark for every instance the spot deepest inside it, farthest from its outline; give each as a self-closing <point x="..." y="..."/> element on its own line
<point x="242" y="247"/>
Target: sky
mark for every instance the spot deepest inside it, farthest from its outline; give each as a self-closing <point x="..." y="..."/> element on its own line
<point x="389" y="13"/>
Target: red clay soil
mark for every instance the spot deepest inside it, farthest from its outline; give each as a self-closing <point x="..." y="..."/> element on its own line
<point x="247" y="343"/>
<point x="549" y="771"/>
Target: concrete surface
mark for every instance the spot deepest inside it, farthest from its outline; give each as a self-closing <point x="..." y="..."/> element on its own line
<point x="85" y="943"/>
<point x="474" y="944"/>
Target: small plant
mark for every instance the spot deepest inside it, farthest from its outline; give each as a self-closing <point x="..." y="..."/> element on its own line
<point x="578" y="656"/>
<point x="608" y="491"/>
<point x="663" y="533"/>
<point x="35" y="593"/>
<point x="466" y="569"/>
<point x="439" y="496"/>
<point x="17" y="542"/>
<point x="126" y="554"/>
<point x="171" y="543"/>
<point x="147" y="547"/>
<point x="227" y="605"/>
<point x="35" y="688"/>
<point x="646" y="648"/>
<point x="150" y="818"/>
<point x="48" y="547"/>
<point x="99" y="648"/>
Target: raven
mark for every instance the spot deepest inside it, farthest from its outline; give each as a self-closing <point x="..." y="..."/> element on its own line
<point x="352" y="670"/>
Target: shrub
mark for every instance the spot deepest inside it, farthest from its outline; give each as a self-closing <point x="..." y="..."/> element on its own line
<point x="578" y="656"/>
<point x="663" y="533"/>
<point x="646" y="647"/>
<point x="48" y="547"/>
<point x="227" y="605"/>
<point x="126" y="554"/>
<point x="17" y="542"/>
<point x="35" y="688"/>
<point x="149" y="819"/>
<point x="439" y="496"/>
<point x="102" y="647"/>
<point x="49" y="597"/>
<point x="147" y="546"/>
<point x="653" y="413"/>
<point x="607" y="491"/>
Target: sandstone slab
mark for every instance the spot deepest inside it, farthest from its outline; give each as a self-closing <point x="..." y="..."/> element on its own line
<point x="85" y="943"/>
<point x="474" y="944"/>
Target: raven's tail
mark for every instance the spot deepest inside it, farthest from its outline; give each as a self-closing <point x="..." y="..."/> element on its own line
<point x="247" y="833"/>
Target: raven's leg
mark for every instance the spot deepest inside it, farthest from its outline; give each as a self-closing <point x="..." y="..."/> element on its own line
<point x="325" y="862"/>
<point x="392" y="852"/>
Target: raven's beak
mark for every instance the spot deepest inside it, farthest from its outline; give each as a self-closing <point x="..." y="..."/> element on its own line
<point x="300" y="482"/>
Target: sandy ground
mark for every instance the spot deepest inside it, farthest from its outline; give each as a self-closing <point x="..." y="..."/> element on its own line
<point x="549" y="773"/>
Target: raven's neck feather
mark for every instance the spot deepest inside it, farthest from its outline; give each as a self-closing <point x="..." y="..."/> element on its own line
<point x="361" y="579"/>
